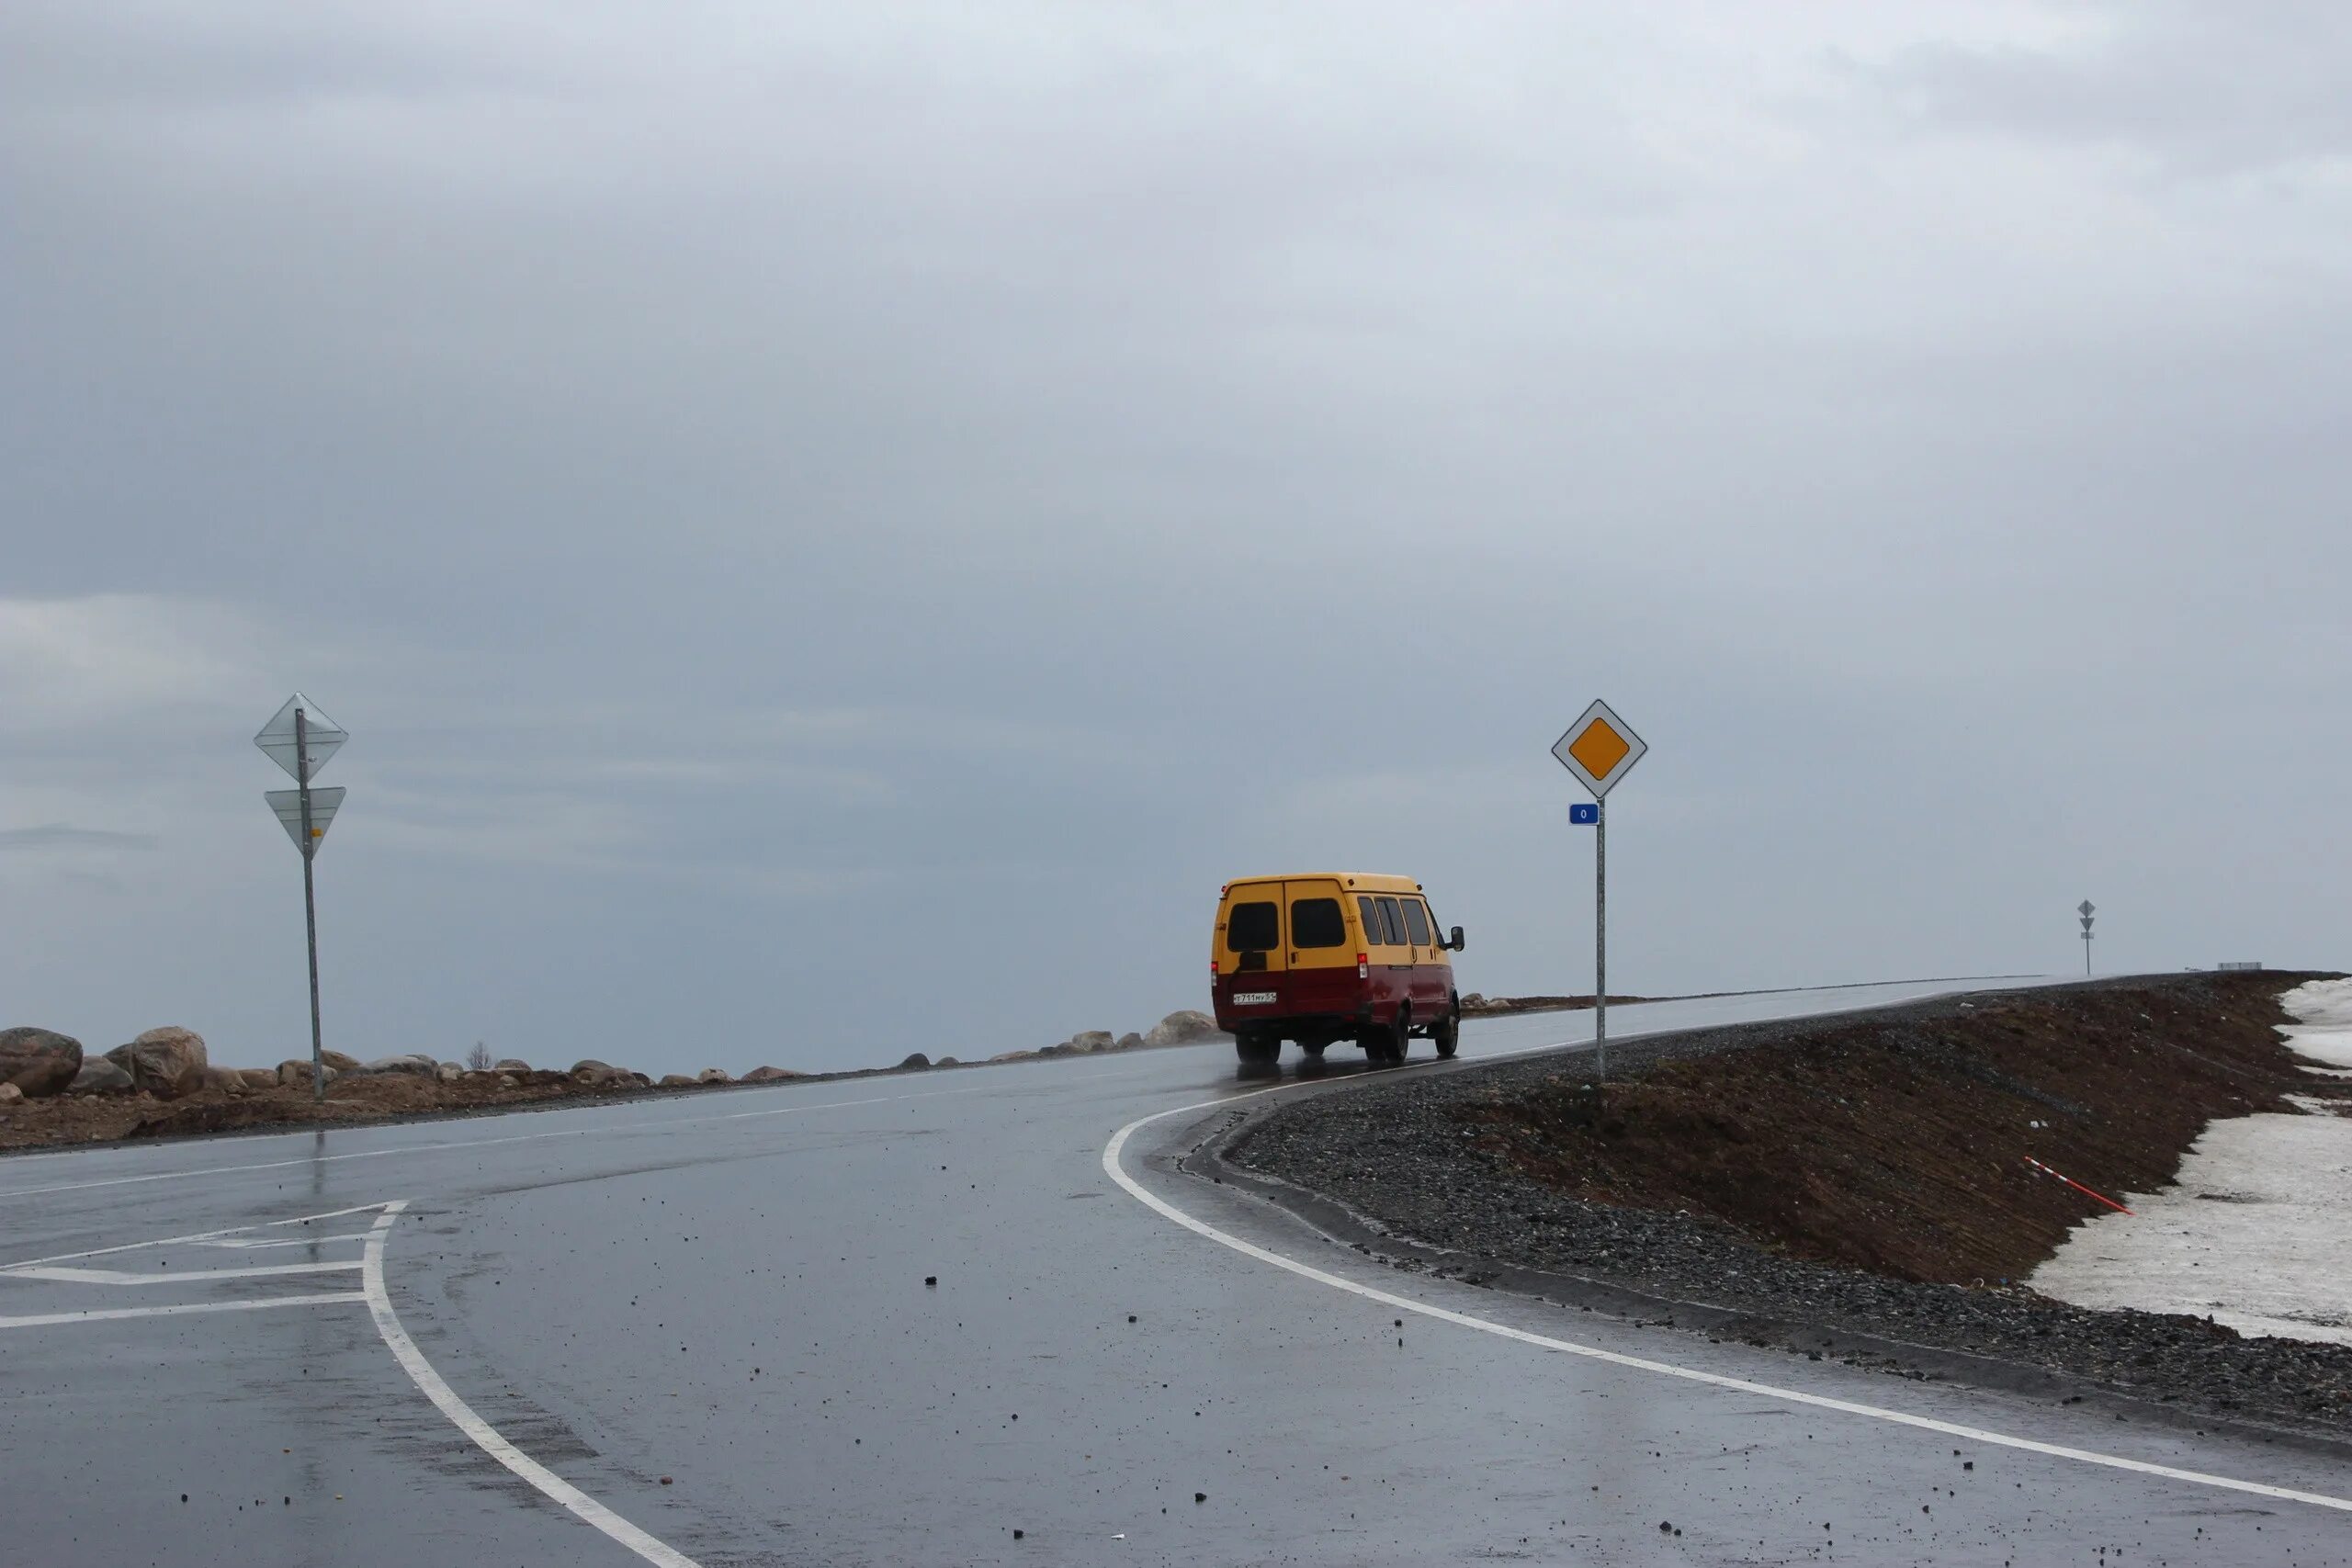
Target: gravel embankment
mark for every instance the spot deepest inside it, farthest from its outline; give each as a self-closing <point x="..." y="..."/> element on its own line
<point x="1493" y="1174"/>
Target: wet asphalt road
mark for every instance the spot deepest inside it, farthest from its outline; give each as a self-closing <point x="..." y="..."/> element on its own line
<point x="728" y="1290"/>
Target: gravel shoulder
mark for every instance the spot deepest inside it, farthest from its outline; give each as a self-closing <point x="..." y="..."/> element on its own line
<point x="1853" y="1186"/>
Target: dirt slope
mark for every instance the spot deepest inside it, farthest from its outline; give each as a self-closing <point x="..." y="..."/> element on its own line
<point x="1853" y="1186"/>
<point x="1899" y="1146"/>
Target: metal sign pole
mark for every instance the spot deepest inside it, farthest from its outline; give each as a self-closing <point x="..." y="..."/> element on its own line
<point x="1599" y="748"/>
<point x="1601" y="936"/>
<point x="310" y="902"/>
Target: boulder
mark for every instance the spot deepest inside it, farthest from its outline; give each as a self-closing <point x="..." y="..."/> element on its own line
<point x="39" y="1062"/>
<point x="338" y="1061"/>
<point x="120" y="1057"/>
<point x="1014" y="1056"/>
<point x="592" y="1071"/>
<point x="413" y="1062"/>
<point x="11" y="1095"/>
<point x="1086" y="1042"/>
<point x="259" y="1077"/>
<point x="290" y="1073"/>
<point x="449" y="1072"/>
<point x="714" y="1074"/>
<point x="510" y="1065"/>
<point x="770" y="1075"/>
<point x="168" y="1063"/>
<point x="226" y="1080"/>
<point x="947" y="1062"/>
<point x="914" y="1063"/>
<point x="1181" y="1028"/>
<point x="678" y="1081"/>
<point x="99" y="1076"/>
<point x="508" y="1080"/>
<point x="1130" y="1041"/>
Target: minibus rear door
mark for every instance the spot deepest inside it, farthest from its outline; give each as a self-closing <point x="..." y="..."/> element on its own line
<point x="1253" y="952"/>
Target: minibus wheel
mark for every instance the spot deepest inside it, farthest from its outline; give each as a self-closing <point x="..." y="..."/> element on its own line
<point x="1447" y="1033"/>
<point x="1257" y="1049"/>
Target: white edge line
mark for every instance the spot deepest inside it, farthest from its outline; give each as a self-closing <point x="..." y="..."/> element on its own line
<point x="482" y="1433"/>
<point x="1115" y="1169"/>
<point x="101" y="1314"/>
<point x="161" y="1276"/>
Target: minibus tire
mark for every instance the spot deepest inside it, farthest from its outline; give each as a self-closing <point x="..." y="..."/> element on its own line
<point x="1256" y="1049"/>
<point x="1447" y="1035"/>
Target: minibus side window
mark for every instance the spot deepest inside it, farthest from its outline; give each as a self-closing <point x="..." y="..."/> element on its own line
<point x="1395" y="921"/>
<point x="1417" y="922"/>
<point x="1316" y="923"/>
<point x="1253" y="928"/>
<point x="1371" y="937"/>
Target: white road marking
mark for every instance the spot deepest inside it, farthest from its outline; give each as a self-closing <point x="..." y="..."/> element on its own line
<point x="372" y="1294"/>
<point x="101" y="1314"/>
<point x="1113" y="1167"/>
<point x="196" y="1236"/>
<point x="163" y="1276"/>
<point x="289" y="1241"/>
<point x="468" y="1144"/>
<point x="482" y="1434"/>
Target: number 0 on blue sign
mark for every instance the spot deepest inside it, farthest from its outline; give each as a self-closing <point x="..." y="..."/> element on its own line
<point x="1584" y="816"/>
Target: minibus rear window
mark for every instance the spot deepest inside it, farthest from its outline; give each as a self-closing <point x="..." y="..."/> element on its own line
<point x="1253" y="928"/>
<point x="1417" y="922"/>
<point x="1316" y="923"/>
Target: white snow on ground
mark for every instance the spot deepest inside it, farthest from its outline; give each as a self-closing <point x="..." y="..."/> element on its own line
<point x="2324" y="1030"/>
<point x="2257" y="1229"/>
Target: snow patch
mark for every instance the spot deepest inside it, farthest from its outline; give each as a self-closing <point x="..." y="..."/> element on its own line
<point x="2323" y="1027"/>
<point x="2257" y="1229"/>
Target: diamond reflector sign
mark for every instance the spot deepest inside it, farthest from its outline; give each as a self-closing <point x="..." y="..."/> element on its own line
<point x="323" y="737"/>
<point x="287" y="804"/>
<point x="1600" y="749"/>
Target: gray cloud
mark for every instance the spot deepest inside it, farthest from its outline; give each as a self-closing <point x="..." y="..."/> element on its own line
<point x="65" y="836"/>
<point x="834" y="531"/>
<point x="2205" y="91"/>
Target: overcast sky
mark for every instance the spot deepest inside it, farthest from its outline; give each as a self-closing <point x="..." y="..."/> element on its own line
<point x="834" y="528"/>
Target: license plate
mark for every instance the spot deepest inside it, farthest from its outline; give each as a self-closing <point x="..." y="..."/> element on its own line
<point x="1252" y="999"/>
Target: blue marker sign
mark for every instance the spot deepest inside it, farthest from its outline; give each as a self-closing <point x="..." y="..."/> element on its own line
<point x="1584" y="816"/>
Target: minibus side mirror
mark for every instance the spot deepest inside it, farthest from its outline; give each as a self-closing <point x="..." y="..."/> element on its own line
<point x="1456" y="943"/>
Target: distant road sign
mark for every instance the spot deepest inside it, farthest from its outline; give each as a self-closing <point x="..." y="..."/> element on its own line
<point x="287" y="804"/>
<point x="323" y="740"/>
<point x="2087" y="908"/>
<point x="1584" y="816"/>
<point x="1600" y="749"/>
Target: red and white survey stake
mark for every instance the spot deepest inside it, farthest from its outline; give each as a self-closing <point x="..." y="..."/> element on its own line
<point x="2078" y="1186"/>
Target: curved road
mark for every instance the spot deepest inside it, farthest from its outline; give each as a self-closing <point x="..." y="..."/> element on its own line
<point x="697" y="1330"/>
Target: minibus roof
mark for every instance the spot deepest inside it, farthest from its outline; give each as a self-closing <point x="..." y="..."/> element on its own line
<point x="1357" y="881"/>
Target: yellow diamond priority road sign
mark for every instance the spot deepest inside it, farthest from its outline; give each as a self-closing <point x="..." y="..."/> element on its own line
<point x="1600" y="749"/>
